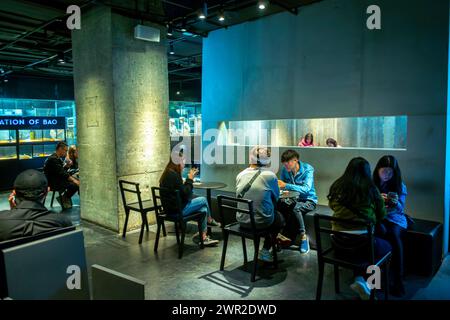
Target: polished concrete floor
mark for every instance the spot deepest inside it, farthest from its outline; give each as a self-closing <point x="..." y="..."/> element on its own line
<point x="197" y="275"/>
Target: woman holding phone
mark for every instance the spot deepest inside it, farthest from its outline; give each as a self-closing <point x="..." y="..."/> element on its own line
<point x="171" y="179"/>
<point x="388" y="179"/>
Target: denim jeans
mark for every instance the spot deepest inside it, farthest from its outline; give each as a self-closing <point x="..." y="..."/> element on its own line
<point x="199" y="204"/>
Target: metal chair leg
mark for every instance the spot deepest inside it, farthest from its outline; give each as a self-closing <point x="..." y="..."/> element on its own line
<point x="181" y="246"/>
<point x="164" y="229"/>
<point x="244" y="249"/>
<point x="255" y="258"/>
<point x="274" y="252"/>
<point x="177" y="233"/>
<point x="224" y="250"/>
<point x="144" y="222"/>
<point x="125" y="225"/>
<point x="386" y="280"/>
<point x="336" y="279"/>
<point x="158" y="231"/>
<point x="320" y="281"/>
<point x="199" y="224"/>
<point x="53" y="199"/>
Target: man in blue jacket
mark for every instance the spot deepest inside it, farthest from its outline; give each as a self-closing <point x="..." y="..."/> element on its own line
<point x="299" y="176"/>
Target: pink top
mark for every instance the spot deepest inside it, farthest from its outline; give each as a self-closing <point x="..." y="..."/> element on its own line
<point x="303" y="143"/>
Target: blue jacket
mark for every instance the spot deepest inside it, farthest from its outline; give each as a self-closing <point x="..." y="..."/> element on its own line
<point x="302" y="182"/>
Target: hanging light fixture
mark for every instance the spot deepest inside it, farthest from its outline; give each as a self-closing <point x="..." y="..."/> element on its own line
<point x="171" y="51"/>
<point x="170" y="29"/>
<point x="203" y="12"/>
<point x="221" y="15"/>
<point x="184" y="25"/>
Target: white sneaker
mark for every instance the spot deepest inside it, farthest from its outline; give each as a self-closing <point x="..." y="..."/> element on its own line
<point x="361" y="288"/>
<point x="265" y="255"/>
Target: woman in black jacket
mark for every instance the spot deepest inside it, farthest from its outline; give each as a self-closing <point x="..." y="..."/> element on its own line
<point x="171" y="180"/>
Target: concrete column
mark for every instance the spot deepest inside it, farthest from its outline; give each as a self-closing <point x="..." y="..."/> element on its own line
<point x="121" y="91"/>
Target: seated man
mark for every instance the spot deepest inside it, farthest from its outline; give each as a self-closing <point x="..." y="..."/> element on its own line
<point x="28" y="216"/>
<point x="58" y="178"/>
<point x="259" y="184"/>
<point x="298" y="176"/>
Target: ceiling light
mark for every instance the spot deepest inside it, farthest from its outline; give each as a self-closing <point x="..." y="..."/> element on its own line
<point x="5" y="79"/>
<point x="203" y="13"/>
<point x="61" y="58"/>
<point x="170" y="29"/>
<point x="183" y="25"/>
<point x="221" y="15"/>
<point x="171" y="51"/>
<point x="262" y="5"/>
<point x="178" y="93"/>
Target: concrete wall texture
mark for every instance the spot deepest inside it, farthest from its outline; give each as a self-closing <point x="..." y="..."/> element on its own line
<point x="326" y="63"/>
<point x="121" y="91"/>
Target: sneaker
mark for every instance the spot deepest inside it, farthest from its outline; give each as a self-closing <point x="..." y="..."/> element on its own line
<point x="283" y="241"/>
<point x="208" y="242"/>
<point x="361" y="288"/>
<point x="66" y="202"/>
<point x="213" y="223"/>
<point x="265" y="255"/>
<point x="304" y="246"/>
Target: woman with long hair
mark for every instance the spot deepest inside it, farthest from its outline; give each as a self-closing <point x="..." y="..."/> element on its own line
<point x="354" y="196"/>
<point x="171" y="179"/>
<point x="307" y="141"/>
<point x="71" y="161"/>
<point x="388" y="179"/>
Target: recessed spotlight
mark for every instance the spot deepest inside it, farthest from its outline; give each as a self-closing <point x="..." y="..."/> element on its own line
<point x="262" y="5"/>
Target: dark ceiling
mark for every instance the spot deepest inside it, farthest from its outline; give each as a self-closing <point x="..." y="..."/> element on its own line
<point x="33" y="33"/>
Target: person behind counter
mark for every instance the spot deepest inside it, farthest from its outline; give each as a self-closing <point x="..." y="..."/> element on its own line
<point x="28" y="215"/>
<point x="388" y="179"/>
<point x="354" y="196"/>
<point x="332" y="143"/>
<point x="259" y="184"/>
<point x="307" y="141"/>
<point x="298" y="176"/>
<point x="71" y="161"/>
<point x="171" y="180"/>
<point x="58" y="178"/>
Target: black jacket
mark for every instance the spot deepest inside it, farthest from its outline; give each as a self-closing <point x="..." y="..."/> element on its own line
<point x="29" y="218"/>
<point x="173" y="181"/>
<point x="56" y="175"/>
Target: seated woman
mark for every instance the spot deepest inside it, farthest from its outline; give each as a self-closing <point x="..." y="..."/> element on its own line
<point x="388" y="179"/>
<point x="171" y="180"/>
<point x="259" y="184"/>
<point x="71" y="161"/>
<point x="332" y="143"/>
<point x="307" y="141"/>
<point x="354" y="196"/>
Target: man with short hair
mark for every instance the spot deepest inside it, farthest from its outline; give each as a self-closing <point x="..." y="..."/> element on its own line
<point x="28" y="215"/>
<point x="259" y="184"/>
<point x="58" y="178"/>
<point x="299" y="176"/>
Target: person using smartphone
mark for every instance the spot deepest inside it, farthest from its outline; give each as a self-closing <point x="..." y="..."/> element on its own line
<point x="388" y="179"/>
<point x="171" y="179"/>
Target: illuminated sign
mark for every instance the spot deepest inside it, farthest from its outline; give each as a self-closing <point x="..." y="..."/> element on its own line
<point x="32" y="123"/>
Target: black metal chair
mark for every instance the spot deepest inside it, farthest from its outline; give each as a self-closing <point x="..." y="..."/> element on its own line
<point x="53" y="196"/>
<point x="330" y="256"/>
<point x="235" y="229"/>
<point x="143" y="207"/>
<point x="176" y="217"/>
